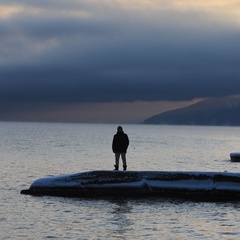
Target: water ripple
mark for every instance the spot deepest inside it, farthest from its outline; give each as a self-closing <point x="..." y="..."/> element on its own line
<point x="32" y="151"/>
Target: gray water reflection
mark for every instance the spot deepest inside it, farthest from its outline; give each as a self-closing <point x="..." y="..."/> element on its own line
<point x="32" y="151"/>
<point x="120" y="220"/>
<point x="173" y="219"/>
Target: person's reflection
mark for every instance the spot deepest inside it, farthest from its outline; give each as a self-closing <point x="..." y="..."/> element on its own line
<point x="121" y="219"/>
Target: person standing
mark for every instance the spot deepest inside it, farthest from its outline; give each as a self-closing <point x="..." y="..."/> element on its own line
<point x="119" y="146"/>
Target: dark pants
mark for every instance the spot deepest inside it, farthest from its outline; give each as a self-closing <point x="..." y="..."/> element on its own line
<point x="123" y="156"/>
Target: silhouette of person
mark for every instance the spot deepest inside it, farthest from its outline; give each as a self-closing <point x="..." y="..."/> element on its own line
<point x="119" y="146"/>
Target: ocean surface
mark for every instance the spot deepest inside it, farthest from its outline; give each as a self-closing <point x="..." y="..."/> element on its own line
<point x="30" y="151"/>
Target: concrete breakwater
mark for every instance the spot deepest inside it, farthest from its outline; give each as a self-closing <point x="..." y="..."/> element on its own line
<point x="177" y="184"/>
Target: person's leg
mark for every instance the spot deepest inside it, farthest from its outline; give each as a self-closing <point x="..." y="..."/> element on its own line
<point x="117" y="156"/>
<point x="123" y="155"/>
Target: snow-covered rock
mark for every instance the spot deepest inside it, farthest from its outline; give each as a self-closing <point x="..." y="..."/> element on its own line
<point x="235" y="156"/>
<point x="200" y="185"/>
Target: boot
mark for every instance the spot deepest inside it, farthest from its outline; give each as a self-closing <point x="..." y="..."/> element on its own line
<point x="116" y="167"/>
<point x="124" y="168"/>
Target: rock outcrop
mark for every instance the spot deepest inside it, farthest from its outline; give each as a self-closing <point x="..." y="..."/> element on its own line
<point x="197" y="185"/>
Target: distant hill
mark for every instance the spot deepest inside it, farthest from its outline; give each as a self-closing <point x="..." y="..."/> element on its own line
<point x="212" y="111"/>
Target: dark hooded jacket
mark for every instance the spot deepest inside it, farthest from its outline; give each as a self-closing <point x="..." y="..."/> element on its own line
<point x="120" y="142"/>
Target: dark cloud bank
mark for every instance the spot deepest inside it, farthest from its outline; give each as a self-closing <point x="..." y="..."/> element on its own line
<point x="72" y="85"/>
<point x="108" y="54"/>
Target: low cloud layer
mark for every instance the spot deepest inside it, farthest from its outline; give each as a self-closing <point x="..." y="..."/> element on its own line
<point x="115" y="51"/>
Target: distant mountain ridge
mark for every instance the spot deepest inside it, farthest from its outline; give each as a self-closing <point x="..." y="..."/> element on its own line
<point x="212" y="111"/>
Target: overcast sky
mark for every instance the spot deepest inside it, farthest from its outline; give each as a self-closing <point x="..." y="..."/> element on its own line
<point x="113" y="60"/>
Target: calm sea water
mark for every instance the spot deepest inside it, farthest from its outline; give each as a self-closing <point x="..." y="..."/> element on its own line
<point x="30" y="151"/>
